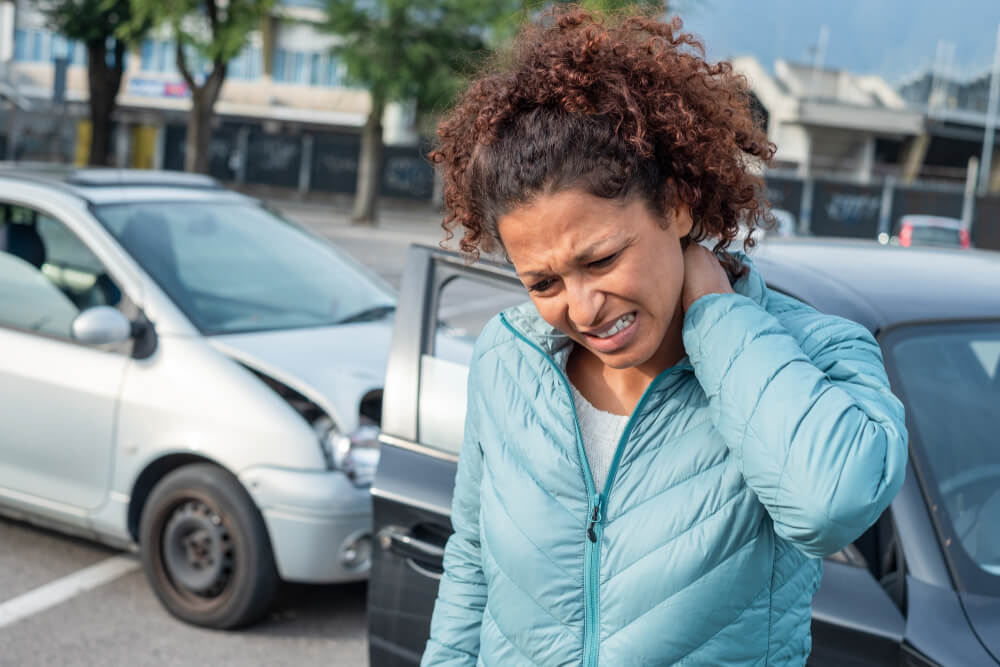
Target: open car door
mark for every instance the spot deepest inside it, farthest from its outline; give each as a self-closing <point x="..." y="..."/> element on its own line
<point x="443" y="305"/>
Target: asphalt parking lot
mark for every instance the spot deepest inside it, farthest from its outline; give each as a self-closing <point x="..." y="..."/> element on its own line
<point x="65" y="601"/>
<point x="121" y="623"/>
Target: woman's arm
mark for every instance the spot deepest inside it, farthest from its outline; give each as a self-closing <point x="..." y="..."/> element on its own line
<point x="809" y="416"/>
<point x="458" y="612"/>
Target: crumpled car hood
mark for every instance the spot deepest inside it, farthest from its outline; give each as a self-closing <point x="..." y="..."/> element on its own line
<point x="333" y="366"/>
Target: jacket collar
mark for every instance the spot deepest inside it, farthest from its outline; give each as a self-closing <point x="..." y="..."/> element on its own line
<point x="526" y="320"/>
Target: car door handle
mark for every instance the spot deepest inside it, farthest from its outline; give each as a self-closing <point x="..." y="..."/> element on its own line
<point x="403" y="543"/>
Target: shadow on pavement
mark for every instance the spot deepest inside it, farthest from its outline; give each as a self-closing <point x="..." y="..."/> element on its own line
<point x="329" y="612"/>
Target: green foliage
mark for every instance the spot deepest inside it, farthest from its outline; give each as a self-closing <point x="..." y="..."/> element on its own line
<point x="216" y="30"/>
<point x="414" y="49"/>
<point x="89" y="20"/>
<point x="424" y="49"/>
<point x="532" y="9"/>
<point x="620" y="5"/>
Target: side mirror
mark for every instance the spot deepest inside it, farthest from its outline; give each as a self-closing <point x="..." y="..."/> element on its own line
<point x="101" y="325"/>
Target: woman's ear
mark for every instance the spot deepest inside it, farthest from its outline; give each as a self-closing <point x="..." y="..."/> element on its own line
<point x="680" y="218"/>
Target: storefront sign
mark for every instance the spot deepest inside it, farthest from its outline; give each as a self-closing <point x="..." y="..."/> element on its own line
<point x="144" y="87"/>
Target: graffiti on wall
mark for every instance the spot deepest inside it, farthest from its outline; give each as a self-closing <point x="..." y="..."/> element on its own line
<point x="845" y="209"/>
<point x="852" y="208"/>
<point x="407" y="175"/>
<point x="783" y="193"/>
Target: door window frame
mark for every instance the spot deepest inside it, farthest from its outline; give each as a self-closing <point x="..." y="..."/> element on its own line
<point x="428" y="270"/>
<point x="127" y="306"/>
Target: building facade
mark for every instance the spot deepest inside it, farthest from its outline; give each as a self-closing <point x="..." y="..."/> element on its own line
<point x="956" y="120"/>
<point x="286" y="115"/>
<point x="834" y="124"/>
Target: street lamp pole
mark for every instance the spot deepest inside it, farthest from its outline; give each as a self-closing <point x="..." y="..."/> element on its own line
<point x="986" y="163"/>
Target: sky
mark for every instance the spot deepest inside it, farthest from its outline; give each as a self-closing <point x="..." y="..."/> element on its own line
<point x="896" y="39"/>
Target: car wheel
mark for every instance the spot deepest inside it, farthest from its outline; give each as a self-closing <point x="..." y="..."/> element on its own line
<point x="205" y="549"/>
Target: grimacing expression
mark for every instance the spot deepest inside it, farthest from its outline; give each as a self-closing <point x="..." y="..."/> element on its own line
<point x="606" y="272"/>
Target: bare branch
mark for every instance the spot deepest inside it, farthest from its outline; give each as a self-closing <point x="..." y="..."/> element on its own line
<point x="182" y="66"/>
<point x="213" y="16"/>
<point x="216" y="78"/>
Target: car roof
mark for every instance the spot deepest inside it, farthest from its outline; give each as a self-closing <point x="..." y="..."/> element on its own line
<point x="883" y="286"/>
<point x="105" y="185"/>
<point x="933" y="221"/>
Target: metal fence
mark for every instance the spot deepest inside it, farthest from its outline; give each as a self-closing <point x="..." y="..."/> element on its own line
<point x="327" y="162"/>
<point x="986" y="223"/>
<point x="305" y="161"/>
<point x="317" y="161"/>
<point x="825" y="207"/>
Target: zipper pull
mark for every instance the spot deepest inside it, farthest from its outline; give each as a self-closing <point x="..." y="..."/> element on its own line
<point x="595" y="518"/>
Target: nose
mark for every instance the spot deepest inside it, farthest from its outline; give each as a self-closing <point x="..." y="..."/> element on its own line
<point x="584" y="303"/>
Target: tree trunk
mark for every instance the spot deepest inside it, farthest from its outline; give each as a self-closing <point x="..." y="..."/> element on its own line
<point x="369" y="167"/>
<point x="198" y="145"/>
<point x="197" y="148"/>
<point x="104" y="82"/>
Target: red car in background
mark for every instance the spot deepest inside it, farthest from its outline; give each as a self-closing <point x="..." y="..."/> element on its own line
<point x="932" y="230"/>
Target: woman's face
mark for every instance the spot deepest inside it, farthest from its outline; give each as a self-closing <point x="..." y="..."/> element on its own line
<point x="607" y="272"/>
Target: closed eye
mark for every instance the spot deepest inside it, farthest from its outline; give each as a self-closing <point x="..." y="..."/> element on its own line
<point x="541" y="285"/>
<point x="604" y="261"/>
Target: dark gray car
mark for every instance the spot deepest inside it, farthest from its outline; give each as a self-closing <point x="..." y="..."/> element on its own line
<point x="920" y="587"/>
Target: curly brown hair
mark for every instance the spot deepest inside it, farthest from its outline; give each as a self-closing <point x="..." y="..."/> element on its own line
<point x="618" y="105"/>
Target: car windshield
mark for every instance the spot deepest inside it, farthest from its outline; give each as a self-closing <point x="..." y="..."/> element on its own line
<point x="933" y="235"/>
<point x="950" y="380"/>
<point x="237" y="267"/>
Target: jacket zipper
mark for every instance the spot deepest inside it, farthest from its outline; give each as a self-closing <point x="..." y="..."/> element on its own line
<point x="591" y="581"/>
<point x="598" y="501"/>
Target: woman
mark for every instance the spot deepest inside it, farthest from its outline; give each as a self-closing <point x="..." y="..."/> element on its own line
<point x="659" y="450"/>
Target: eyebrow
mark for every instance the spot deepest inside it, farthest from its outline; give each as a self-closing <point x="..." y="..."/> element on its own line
<point x="581" y="257"/>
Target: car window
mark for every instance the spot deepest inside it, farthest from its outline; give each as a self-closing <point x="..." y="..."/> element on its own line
<point x="47" y="275"/>
<point x="950" y="380"/>
<point x="935" y="235"/>
<point x="464" y="306"/>
<point x="237" y="267"/>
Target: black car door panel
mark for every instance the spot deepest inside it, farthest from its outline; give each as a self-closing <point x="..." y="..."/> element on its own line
<point x="854" y="620"/>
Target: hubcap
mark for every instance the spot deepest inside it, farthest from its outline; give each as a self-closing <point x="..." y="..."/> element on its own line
<point x="197" y="550"/>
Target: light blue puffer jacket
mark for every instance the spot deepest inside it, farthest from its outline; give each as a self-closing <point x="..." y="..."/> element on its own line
<point x="774" y="443"/>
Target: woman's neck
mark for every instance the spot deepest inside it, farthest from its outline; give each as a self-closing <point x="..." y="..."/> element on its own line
<point x="618" y="390"/>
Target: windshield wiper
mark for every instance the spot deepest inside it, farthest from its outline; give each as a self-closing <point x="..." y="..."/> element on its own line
<point x="368" y="314"/>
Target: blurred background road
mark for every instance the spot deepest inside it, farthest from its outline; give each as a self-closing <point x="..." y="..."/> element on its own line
<point x="383" y="248"/>
<point x="122" y="623"/>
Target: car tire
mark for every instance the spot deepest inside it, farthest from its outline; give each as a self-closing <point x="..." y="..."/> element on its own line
<point x="205" y="549"/>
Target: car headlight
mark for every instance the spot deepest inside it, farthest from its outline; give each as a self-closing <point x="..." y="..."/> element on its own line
<point x="356" y="454"/>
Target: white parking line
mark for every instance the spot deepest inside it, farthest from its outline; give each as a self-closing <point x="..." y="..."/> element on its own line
<point x="60" y="590"/>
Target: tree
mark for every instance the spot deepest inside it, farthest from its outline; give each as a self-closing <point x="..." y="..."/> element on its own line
<point x="96" y="23"/>
<point x="209" y="34"/>
<point x="618" y="5"/>
<point x="420" y="50"/>
<point x="406" y="50"/>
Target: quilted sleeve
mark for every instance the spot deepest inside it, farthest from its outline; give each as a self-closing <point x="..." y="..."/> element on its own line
<point x="806" y="412"/>
<point x="458" y="611"/>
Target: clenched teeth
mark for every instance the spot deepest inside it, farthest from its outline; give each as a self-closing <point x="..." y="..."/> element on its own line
<point x="622" y="322"/>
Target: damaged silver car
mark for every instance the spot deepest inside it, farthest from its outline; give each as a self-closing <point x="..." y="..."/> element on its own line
<point x="188" y="374"/>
